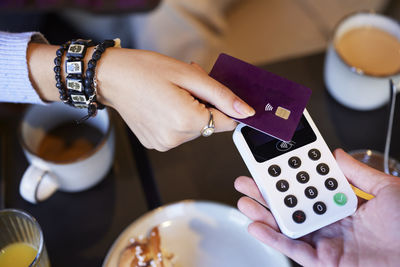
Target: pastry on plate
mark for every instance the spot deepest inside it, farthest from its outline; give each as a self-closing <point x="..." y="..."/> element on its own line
<point x="146" y="251"/>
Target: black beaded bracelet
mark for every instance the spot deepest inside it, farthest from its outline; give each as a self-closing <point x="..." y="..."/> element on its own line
<point x="90" y="82"/>
<point x="57" y="69"/>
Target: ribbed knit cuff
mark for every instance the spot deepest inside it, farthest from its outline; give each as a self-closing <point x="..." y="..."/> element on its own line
<point x="15" y="85"/>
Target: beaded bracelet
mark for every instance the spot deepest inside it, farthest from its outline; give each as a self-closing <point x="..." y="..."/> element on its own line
<point x="80" y="92"/>
<point x="90" y="82"/>
<point x="57" y="69"/>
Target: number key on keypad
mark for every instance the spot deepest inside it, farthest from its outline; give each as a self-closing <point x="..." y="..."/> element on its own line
<point x="282" y="185"/>
<point x="319" y="207"/>
<point x="274" y="170"/>
<point x="331" y="184"/>
<point x="314" y="154"/>
<point x="303" y="177"/>
<point x="311" y="192"/>
<point x="322" y="169"/>
<point x="294" y="162"/>
<point x="290" y="201"/>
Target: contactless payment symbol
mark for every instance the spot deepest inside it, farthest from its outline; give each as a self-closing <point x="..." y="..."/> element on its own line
<point x="284" y="146"/>
<point x="268" y="107"/>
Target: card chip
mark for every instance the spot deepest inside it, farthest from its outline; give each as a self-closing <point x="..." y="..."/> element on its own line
<point x="282" y="112"/>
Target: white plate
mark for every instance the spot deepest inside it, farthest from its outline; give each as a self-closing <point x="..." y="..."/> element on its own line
<point x="200" y="234"/>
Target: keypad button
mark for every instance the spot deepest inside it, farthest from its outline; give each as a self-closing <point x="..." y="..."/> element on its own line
<point x="294" y="162"/>
<point x="331" y="184"/>
<point x="319" y="207"/>
<point x="290" y="201"/>
<point x="274" y="170"/>
<point x="299" y="216"/>
<point x="303" y="177"/>
<point x="282" y="185"/>
<point x="314" y="154"/>
<point x="311" y="192"/>
<point x="322" y="169"/>
<point x="340" y="199"/>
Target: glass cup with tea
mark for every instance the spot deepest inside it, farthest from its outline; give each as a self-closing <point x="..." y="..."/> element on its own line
<point x="21" y="240"/>
<point x="362" y="58"/>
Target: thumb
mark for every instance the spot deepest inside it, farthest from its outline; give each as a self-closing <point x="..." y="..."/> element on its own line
<point x="360" y="175"/>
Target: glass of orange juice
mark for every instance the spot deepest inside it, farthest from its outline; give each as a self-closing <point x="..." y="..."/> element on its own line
<point x="21" y="240"/>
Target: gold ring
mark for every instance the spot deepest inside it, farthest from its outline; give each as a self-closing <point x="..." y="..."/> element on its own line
<point x="209" y="128"/>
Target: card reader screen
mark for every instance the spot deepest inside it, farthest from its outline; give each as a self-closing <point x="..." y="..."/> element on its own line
<point x="265" y="147"/>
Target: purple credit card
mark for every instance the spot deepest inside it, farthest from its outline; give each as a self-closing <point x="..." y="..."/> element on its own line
<point x="279" y="103"/>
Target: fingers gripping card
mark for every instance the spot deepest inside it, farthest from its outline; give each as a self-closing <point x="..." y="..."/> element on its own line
<point x="279" y="103"/>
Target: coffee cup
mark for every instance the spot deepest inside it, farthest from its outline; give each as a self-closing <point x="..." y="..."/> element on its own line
<point x="64" y="155"/>
<point x="363" y="55"/>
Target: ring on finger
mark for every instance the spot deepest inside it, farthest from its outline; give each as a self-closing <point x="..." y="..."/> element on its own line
<point x="210" y="127"/>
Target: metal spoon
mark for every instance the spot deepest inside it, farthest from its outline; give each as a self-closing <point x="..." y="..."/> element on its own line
<point x="392" y="102"/>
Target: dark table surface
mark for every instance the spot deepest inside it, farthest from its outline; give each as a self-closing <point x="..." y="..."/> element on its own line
<point x="80" y="228"/>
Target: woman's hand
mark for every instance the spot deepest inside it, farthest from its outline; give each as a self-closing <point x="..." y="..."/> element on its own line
<point x="162" y="100"/>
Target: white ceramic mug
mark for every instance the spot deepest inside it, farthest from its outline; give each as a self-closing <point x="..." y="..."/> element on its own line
<point x="43" y="177"/>
<point x="345" y="83"/>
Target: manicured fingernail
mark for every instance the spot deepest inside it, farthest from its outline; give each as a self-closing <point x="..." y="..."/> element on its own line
<point x="243" y="108"/>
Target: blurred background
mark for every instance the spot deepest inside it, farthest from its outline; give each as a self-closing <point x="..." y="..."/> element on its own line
<point x="257" y="31"/>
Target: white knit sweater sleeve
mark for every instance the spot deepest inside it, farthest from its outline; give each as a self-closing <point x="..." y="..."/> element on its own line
<point x="15" y="85"/>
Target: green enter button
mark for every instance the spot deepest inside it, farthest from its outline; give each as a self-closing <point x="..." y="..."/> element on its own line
<point x="340" y="199"/>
